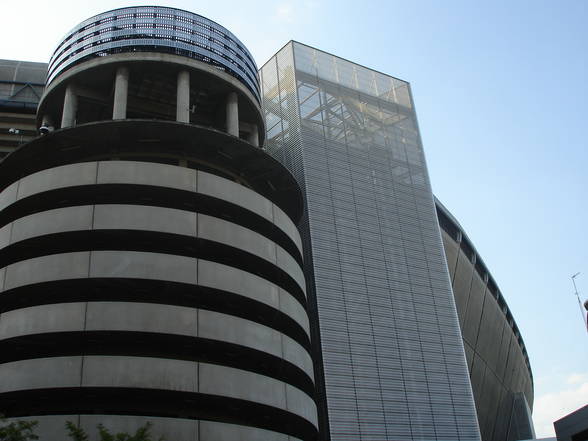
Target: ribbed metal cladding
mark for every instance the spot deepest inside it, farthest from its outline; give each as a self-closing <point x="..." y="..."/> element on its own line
<point x="500" y="371"/>
<point x="392" y="355"/>
<point x="151" y="271"/>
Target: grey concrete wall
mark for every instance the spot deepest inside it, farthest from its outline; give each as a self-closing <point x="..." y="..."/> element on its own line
<point x="158" y="318"/>
<point x="230" y="191"/>
<point x="248" y="330"/>
<point x="155" y="266"/>
<point x="146" y="173"/>
<point x="234" y="280"/>
<point x="155" y="373"/>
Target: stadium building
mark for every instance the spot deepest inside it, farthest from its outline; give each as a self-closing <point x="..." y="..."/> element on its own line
<point x="233" y="255"/>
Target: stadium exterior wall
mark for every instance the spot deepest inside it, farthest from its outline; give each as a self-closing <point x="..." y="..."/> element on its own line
<point x="21" y="87"/>
<point x="498" y="363"/>
<point x="175" y="166"/>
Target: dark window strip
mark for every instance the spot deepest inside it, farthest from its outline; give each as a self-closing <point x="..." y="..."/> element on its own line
<point x="155" y="403"/>
<point x="147" y="344"/>
<point x="152" y="291"/>
<point x="150" y="241"/>
<point x="131" y="194"/>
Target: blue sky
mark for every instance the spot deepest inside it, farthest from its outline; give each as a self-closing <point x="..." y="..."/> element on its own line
<point x="501" y="95"/>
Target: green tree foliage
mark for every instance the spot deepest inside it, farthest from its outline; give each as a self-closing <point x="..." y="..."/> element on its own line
<point x="17" y="430"/>
<point x="143" y="433"/>
<point x="76" y="433"/>
<point x="24" y="431"/>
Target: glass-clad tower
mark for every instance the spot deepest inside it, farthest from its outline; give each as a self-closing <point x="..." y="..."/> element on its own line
<point x="390" y="357"/>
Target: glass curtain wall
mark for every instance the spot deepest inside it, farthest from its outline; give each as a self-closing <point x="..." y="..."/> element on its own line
<point x="386" y="329"/>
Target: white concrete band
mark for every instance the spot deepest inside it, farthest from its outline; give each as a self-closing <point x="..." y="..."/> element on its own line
<point x="145" y="173"/>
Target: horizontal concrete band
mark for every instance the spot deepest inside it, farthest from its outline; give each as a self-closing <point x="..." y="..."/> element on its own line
<point x="152" y="266"/>
<point x="52" y="428"/>
<point x="143" y="195"/>
<point x="152" y="174"/>
<point x="156" y="402"/>
<point x="143" y="344"/>
<point x="154" y="244"/>
<point x="156" y="219"/>
<point x="155" y="373"/>
<point x="153" y="318"/>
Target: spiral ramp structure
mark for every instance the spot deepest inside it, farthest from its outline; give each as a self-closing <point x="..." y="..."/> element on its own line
<point x="151" y="268"/>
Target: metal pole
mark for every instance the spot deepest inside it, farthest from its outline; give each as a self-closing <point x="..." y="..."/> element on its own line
<point x="579" y="302"/>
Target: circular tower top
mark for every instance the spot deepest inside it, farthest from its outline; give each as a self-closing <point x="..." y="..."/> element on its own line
<point x="156" y="29"/>
<point x="156" y="63"/>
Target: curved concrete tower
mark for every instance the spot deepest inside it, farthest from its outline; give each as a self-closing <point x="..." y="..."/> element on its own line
<point x="151" y="269"/>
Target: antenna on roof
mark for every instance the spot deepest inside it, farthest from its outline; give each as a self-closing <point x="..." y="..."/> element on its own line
<point x="584" y="318"/>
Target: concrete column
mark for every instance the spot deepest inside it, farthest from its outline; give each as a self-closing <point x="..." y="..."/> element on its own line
<point x="233" y="114"/>
<point x="70" y="107"/>
<point x="121" y="92"/>
<point x="254" y="136"/>
<point x="183" y="97"/>
<point x="47" y="121"/>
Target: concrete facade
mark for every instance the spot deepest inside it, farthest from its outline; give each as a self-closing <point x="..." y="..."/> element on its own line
<point x="154" y="246"/>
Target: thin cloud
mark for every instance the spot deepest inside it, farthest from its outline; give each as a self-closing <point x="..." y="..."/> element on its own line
<point x="303" y="11"/>
<point x="285" y="12"/>
<point x="553" y="406"/>
<point x="577" y="378"/>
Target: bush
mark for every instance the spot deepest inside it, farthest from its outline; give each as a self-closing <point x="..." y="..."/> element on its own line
<point x="143" y="433"/>
<point x="17" y="430"/>
<point x="24" y="431"/>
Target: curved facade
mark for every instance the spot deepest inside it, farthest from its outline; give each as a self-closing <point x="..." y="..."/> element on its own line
<point x="151" y="269"/>
<point x="500" y="372"/>
<point x="159" y="29"/>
